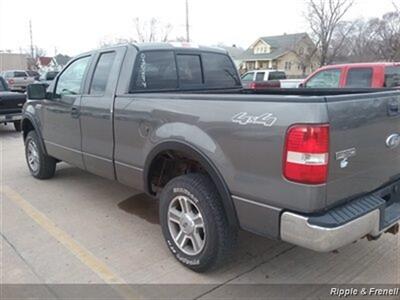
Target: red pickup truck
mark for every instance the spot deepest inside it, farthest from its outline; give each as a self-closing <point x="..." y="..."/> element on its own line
<point x="360" y="75"/>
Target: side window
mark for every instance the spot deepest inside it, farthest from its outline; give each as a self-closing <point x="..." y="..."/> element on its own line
<point x="101" y="73"/>
<point x="392" y="76"/>
<point x="248" y="77"/>
<point x="325" y="79"/>
<point x="155" y="70"/>
<point x="260" y="76"/>
<point x="359" y="78"/>
<point x="70" y="81"/>
<point x="219" y="71"/>
<point x="189" y="69"/>
<point x="277" y="76"/>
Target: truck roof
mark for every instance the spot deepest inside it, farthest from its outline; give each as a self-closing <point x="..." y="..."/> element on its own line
<point x="164" y="46"/>
<point x="362" y="65"/>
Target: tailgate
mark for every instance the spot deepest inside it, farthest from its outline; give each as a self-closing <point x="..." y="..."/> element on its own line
<point x="11" y="102"/>
<point x="365" y="129"/>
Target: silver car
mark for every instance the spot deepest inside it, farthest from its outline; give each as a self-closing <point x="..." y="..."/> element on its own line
<point x="18" y="80"/>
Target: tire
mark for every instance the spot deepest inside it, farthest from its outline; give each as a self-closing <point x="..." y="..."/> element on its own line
<point x="17" y="126"/>
<point x="40" y="165"/>
<point x="204" y="247"/>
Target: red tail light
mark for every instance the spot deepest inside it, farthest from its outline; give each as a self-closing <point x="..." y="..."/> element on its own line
<point x="10" y="81"/>
<point x="306" y="154"/>
<point x="253" y="85"/>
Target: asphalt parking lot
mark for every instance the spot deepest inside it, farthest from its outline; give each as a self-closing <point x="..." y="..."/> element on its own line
<point x="80" y="228"/>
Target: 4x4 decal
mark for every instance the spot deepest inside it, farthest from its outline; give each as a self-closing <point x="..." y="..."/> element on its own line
<point x="243" y="118"/>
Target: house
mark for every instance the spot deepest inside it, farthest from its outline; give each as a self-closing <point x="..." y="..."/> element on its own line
<point x="45" y="63"/>
<point x="293" y="53"/>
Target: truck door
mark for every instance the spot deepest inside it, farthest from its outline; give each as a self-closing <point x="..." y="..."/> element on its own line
<point x="61" y="128"/>
<point x="96" y="112"/>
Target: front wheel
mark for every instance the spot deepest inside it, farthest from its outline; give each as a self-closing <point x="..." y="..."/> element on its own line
<point x="40" y="165"/>
<point x="194" y="223"/>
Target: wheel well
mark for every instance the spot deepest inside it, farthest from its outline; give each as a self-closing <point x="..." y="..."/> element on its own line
<point x="169" y="164"/>
<point x="173" y="159"/>
<point x="26" y="127"/>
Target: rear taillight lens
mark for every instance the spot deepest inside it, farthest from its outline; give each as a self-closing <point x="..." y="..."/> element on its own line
<point x="306" y="154"/>
<point x="10" y="81"/>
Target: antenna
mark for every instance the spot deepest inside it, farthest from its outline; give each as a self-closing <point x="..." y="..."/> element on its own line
<point x="187" y="22"/>
<point x="31" y="37"/>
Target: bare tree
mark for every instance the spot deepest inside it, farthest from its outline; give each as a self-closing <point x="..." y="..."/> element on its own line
<point x="324" y="18"/>
<point x="305" y="52"/>
<point x="387" y="36"/>
<point x="152" y="30"/>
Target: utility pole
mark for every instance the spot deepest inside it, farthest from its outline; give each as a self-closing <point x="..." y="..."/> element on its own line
<point x="187" y="22"/>
<point x="31" y="37"/>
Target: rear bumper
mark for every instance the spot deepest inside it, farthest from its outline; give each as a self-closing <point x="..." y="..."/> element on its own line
<point x="10" y="117"/>
<point x="369" y="215"/>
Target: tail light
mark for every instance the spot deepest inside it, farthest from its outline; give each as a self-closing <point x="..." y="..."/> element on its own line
<point x="252" y="85"/>
<point x="10" y="81"/>
<point x="306" y="154"/>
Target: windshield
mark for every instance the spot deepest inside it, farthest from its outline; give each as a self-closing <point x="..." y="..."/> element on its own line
<point x="20" y="74"/>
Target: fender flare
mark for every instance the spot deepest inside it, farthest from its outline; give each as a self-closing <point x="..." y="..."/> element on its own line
<point x="31" y="119"/>
<point x="211" y="169"/>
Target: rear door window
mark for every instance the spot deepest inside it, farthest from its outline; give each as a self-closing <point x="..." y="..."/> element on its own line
<point x="155" y="70"/>
<point x="260" y="76"/>
<point x="101" y="73"/>
<point x="392" y="76"/>
<point x="189" y="69"/>
<point x="277" y="76"/>
<point x="325" y="79"/>
<point x="359" y="78"/>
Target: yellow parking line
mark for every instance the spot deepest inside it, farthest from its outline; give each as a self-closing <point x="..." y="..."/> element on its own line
<point x="84" y="255"/>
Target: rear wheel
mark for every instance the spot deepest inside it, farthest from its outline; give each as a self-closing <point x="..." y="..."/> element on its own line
<point x="17" y="125"/>
<point x="40" y="165"/>
<point x="194" y="223"/>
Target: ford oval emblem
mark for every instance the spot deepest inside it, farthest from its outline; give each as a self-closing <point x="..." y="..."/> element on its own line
<point x="393" y="141"/>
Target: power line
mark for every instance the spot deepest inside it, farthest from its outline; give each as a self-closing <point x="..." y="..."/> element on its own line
<point x="31" y="37"/>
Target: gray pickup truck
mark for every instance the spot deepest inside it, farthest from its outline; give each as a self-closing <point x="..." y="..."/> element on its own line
<point x="317" y="169"/>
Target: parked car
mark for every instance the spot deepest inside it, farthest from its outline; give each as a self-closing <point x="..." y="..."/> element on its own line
<point x="315" y="170"/>
<point x="33" y="74"/>
<point x="360" y="75"/>
<point x="48" y="77"/>
<point x="17" y="80"/>
<point x="10" y="106"/>
<point x="261" y="79"/>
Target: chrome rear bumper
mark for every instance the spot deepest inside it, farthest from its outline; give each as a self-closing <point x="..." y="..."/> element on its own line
<point x="297" y="230"/>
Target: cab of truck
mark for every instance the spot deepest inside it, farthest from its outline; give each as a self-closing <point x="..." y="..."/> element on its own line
<point x="359" y="75"/>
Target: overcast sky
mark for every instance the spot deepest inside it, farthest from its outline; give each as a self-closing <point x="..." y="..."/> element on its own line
<point x="74" y="26"/>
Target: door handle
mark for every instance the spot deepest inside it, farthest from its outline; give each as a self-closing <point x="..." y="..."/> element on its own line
<point x="75" y="112"/>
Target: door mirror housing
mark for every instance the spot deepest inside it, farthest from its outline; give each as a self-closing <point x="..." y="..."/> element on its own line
<point x="301" y="85"/>
<point x="36" y="91"/>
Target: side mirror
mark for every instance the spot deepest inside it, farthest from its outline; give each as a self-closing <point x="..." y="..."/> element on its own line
<point x="36" y="91"/>
<point x="301" y="85"/>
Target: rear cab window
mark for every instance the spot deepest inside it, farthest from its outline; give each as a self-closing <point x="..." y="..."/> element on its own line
<point x="169" y="70"/>
<point x="392" y="76"/>
<point x="359" y="78"/>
